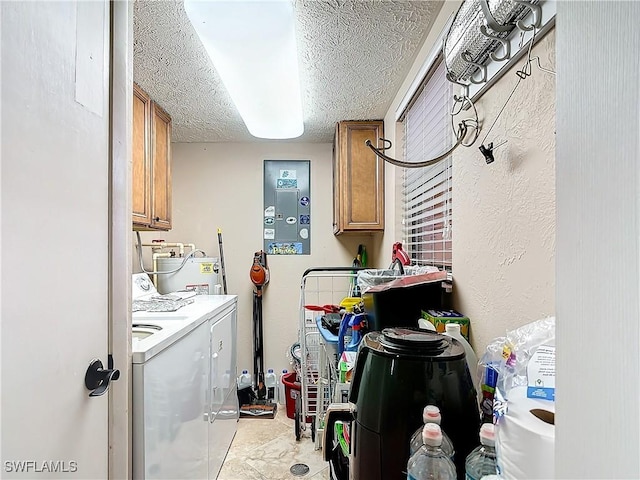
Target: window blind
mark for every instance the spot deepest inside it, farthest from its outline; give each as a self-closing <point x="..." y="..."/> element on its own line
<point x="426" y="192"/>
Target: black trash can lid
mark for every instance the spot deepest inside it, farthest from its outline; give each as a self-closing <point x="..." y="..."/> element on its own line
<point x="417" y="342"/>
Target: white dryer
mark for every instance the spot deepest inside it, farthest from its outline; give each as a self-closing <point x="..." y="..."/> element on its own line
<point x="185" y="405"/>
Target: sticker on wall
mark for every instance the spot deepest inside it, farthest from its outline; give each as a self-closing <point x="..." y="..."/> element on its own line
<point x="288" y="173"/>
<point x="285" y="248"/>
<point x="304" y="201"/>
<point x="270" y="211"/>
<point x="305" y="219"/>
<point x="291" y="220"/>
<point x="269" y="233"/>
<point x="269" y="221"/>
<point x="287" y="183"/>
<point x="304" y="233"/>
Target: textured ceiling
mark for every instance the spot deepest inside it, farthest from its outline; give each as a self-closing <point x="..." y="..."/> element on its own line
<point x="354" y="55"/>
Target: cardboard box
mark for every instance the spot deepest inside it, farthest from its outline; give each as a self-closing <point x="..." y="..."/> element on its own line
<point x="439" y="318"/>
<point x="345" y="366"/>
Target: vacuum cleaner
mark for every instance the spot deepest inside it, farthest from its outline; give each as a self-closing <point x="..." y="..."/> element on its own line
<point x="257" y="404"/>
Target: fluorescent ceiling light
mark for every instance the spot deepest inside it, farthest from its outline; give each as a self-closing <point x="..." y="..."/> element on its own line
<point x="253" y="48"/>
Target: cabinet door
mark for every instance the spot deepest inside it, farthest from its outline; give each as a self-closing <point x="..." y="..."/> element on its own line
<point x="141" y="168"/>
<point x="358" y="178"/>
<point x="161" y="168"/>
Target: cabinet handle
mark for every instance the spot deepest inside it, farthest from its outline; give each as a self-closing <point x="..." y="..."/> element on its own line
<point x="157" y="219"/>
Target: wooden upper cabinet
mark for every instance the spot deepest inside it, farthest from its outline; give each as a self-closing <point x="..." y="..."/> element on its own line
<point x="161" y="168"/>
<point x="151" y="165"/>
<point x="141" y="158"/>
<point x="358" y="178"/>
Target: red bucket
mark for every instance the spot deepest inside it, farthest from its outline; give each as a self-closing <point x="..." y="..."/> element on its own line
<point x="291" y="391"/>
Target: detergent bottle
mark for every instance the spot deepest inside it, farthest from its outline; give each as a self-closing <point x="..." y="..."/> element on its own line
<point x="344" y="334"/>
<point x="357" y="324"/>
<point x="350" y="332"/>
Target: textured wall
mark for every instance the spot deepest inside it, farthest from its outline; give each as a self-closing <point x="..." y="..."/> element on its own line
<point x="220" y="185"/>
<point x="504" y="213"/>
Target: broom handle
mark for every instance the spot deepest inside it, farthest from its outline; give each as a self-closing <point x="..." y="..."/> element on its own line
<point x="224" y="276"/>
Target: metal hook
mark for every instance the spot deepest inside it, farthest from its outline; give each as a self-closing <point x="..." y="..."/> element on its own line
<point x="536" y="11"/>
<point x="467" y="122"/>
<point x="547" y="70"/>
<point x="387" y="144"/>
<point x="466" y="56"/>
<point x="465" y="87"/>
<point x="491" y="22"/>
<point x="459" y="100"/>
<point x="506" y="46"/>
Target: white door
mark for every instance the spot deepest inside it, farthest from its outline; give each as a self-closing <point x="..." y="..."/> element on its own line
<point x="55" y="231"/>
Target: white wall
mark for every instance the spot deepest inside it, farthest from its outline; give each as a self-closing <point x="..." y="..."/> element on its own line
<point x="598" y="281"/>
<point x="220" y="185"/>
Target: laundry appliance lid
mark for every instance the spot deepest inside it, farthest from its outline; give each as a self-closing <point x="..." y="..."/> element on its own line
<point x="415" y="342"/>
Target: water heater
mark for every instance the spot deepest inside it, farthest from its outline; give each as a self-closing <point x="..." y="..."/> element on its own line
<point x="199" y="274"/>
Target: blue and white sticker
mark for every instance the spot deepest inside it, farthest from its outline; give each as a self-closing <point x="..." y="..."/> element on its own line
<point x="541" y="373"/>
<point x="305" y="219"/>
<point x="287" y="183"/>
<point x="270" y="211"/>
<point x="269" y="221"/>
<point x="304" y="233"/>
<point x="304" y="201"/>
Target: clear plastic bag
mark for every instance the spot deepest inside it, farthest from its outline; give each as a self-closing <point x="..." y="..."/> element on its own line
<point x="371" y="277"/>
<point x="520" y="346"/>
<point x="503" y="366"/>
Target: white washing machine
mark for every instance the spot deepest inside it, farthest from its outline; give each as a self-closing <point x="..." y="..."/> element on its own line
<point x="185" y="405"/>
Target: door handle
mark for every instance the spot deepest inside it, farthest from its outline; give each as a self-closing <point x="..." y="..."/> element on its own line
<point x="98" y="378"/>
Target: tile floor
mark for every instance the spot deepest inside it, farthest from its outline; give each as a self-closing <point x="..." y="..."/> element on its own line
<point x="265" y="449"/>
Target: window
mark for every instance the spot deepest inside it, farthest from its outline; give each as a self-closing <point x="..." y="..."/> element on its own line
<point x="427" y="192"/>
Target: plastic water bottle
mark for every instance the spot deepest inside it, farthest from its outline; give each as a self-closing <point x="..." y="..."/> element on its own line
<point x="430" y="462"/>
<point x="282" y="398"/>
<point x="431" y="414"/>
<point x="481" y="462"/>
<point x="244" y="380"/>
<point x="271" y="382"/>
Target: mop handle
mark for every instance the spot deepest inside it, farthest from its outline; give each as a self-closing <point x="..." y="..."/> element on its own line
<point x="224" y="276"/>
